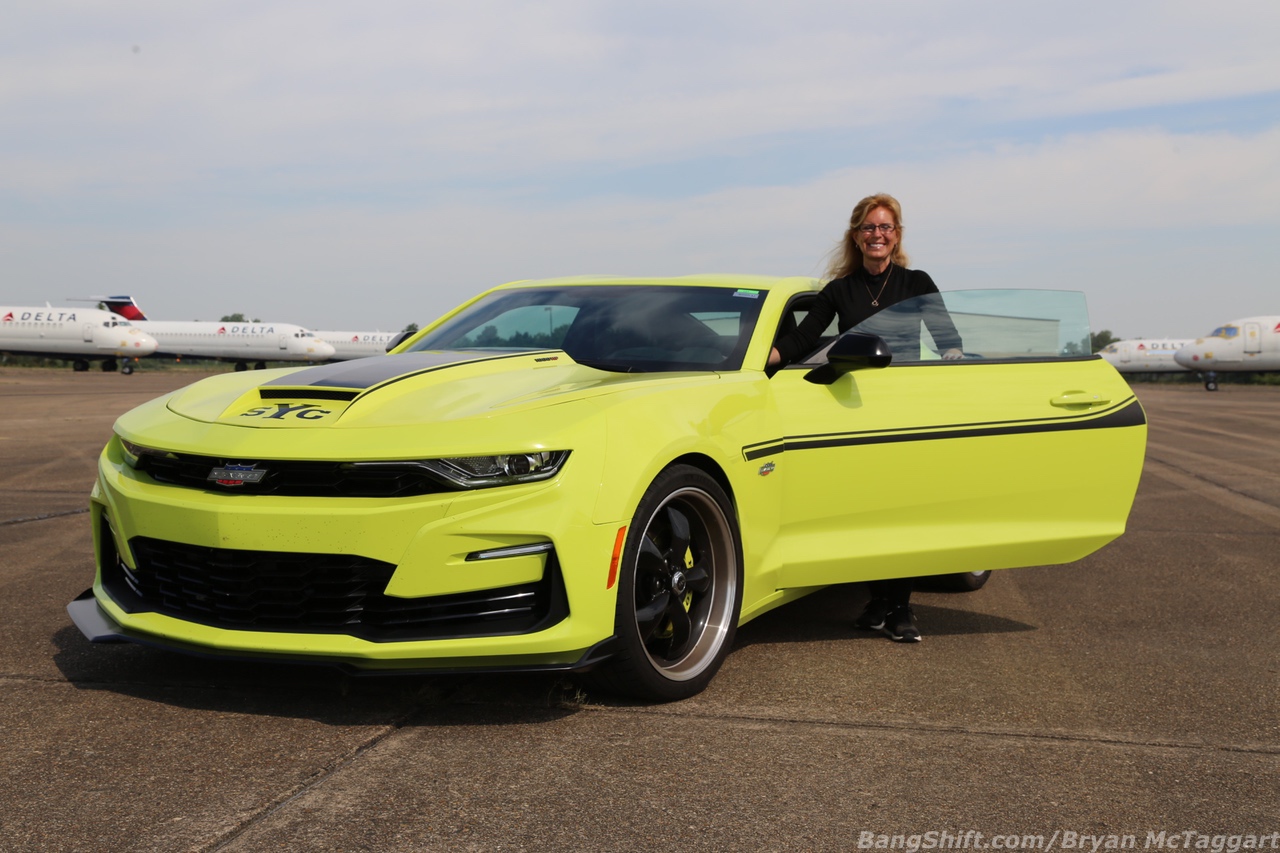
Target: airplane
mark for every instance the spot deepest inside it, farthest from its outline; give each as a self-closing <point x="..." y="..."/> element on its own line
<point x="1145" y="355"/>
<point x="348" y="345"/>
<point x="78" y="335"/>
<point x="243" y="343"/>
<point x="1251" y="345"/>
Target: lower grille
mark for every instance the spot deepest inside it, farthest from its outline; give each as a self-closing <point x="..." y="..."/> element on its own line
<point x="315" y="593"/>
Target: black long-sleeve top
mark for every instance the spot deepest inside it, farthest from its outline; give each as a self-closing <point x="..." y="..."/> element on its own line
<point x="849" y="300"/>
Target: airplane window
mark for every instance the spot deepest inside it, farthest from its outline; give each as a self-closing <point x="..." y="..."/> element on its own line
<point x="1226" y="332"/>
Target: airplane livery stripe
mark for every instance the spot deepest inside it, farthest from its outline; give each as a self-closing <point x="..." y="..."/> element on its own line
<point x="1126" y="414"/>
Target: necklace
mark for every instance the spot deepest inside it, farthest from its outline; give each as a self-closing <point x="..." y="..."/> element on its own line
<point x="875" y="300"/>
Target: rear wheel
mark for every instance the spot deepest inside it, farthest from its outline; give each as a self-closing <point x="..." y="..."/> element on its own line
<point x="679" y="589"/>
<point x="964" y="581"/>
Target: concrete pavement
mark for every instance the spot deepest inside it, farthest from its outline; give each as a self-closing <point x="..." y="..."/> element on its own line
<point x="1135" y="691"/>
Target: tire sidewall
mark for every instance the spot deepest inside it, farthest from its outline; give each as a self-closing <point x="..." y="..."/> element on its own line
<point x="647" y="680"/>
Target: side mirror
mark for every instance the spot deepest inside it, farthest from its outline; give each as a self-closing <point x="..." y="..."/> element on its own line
<point x="399" y="339"/>
<point x="851" y="351"/>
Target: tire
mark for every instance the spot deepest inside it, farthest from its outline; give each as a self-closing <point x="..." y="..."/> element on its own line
<point x="127" y="370"/>
<point x="964" y="581"/>
<point x="679" y="590"/>
<point x="1211" y="385"/>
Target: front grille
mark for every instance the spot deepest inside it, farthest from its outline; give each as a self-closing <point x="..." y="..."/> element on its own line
<point x="315" y="593"/>
<point x="296" y="479"/>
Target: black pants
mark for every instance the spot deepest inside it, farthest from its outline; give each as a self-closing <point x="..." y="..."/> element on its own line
<point x="897" y="591"/>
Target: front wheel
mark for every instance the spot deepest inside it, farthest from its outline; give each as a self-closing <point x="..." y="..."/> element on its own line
<point x="679" y="589"/>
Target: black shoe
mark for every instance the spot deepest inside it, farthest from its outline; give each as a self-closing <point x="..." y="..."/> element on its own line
<point x="872" y="618"/>
<point x="900" y="625"/>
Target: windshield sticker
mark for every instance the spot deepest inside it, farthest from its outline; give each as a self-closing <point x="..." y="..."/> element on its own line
<point x="747" y="294"/>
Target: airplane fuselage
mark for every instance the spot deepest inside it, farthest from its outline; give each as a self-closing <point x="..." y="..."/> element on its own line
<point x="348" y="345"/>
<point x="1145" y="355"/>
<point x="1248" y="345"/>
<point x="77" y="334"/>
<point x="236" y="341"/>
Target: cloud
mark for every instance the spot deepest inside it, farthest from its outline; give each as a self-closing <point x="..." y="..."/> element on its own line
<point x="277" y="159"/>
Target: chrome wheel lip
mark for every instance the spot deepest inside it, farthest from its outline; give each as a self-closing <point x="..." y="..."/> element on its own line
<point x="711" y="528"/>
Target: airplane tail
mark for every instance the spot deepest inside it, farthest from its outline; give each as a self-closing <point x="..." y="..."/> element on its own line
<point x="125" y="306"/>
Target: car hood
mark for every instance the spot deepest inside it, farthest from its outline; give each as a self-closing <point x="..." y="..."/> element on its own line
<point x="404" y="389"/>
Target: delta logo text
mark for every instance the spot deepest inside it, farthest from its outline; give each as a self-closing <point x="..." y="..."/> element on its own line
<point x="246" y="330"/>
<point x="40" y="317"/>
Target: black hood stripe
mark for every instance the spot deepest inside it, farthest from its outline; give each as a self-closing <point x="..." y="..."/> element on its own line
<point x="366" y="373"/>
<point x="1126" y="414"/>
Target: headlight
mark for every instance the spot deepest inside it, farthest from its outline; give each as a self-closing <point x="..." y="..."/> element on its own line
<point x="478" y="472"/>
<point x="134" y="453"/>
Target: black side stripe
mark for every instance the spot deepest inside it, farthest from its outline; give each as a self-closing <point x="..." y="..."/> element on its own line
<point x="1126" y="414"/>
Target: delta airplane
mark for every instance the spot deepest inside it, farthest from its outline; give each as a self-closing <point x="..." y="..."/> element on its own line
<point x="239" y="342"/>
<point x="1145" y="355"/>
<point x="1251" y="345"/>
<point x="77" y="335"/>
<point x="348" y="345"/>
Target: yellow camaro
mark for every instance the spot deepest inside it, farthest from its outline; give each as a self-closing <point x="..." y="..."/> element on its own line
<point x="601" y="475"/>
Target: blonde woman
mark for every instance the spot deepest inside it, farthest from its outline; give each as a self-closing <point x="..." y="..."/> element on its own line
<point x="869" y="274"/>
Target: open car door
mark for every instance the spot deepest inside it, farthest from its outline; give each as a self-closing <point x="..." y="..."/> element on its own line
<point x="1025" y="451"/>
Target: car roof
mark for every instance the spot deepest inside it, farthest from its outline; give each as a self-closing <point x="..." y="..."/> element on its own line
<point x="790" y="284"/>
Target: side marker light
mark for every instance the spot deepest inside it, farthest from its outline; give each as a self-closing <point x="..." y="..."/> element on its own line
<point x="618" y="542"/>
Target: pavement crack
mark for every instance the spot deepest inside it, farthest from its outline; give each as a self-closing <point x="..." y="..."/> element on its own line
<point x="316" y="779"/>
<point x="917" y="728"/>
<point x="45" y="517"/>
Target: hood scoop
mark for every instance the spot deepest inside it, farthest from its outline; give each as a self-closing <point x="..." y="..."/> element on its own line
<point x="306" y="394"/>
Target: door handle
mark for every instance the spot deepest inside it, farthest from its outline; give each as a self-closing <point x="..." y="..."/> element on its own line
<point x="1070" y="399"/>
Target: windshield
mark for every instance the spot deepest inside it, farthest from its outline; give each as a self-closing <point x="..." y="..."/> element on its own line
<point x="987" y="324"/>
<point x="1226" y="332"/>
<point x="626" y="328"/>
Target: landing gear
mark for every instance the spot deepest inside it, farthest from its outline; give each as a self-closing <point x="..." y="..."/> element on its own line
<point x="240" y="365"/>
<point x="1211" y="382"/>
<point x="80" y="365"/>
<point x="262" y="365"/>
<point x="127" y="369"/>
<point x="109" y="365"/>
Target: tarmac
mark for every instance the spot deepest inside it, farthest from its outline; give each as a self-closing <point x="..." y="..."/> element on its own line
<point x="1134" y="693"/>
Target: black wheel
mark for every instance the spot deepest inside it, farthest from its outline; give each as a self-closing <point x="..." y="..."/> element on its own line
<point x="109" y="365"/>
<point x="80" y="365"/>
<point x="262" y="365"/>
<point x="963" y="581"/>
<point x="127" y="369"/>
<point x="1211" y="385"/>
<point x="240" y="365"/>
<point x="679" y="589"/>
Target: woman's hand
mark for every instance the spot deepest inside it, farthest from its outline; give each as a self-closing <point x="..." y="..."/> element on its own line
<point x="952" y="355"/>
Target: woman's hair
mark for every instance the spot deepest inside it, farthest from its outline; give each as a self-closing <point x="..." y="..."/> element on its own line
<point x="846" y="257"/>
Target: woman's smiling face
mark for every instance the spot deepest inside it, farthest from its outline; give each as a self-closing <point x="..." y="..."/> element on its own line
<point x="877" y="244"/>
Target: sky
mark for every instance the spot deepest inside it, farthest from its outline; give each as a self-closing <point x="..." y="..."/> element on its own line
<point x="363" y="166"/>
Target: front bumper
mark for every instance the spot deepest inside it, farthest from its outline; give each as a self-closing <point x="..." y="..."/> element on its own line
<point x="424" y="543"/>
<point x="97" y="626"/>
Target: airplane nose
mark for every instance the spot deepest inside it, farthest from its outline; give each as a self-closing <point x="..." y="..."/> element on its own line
<point x="318" y="350"/>
<point x="1188" y="356"/>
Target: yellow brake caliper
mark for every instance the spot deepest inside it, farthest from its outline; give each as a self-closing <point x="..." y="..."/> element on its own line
<point x="687" y="601"/>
